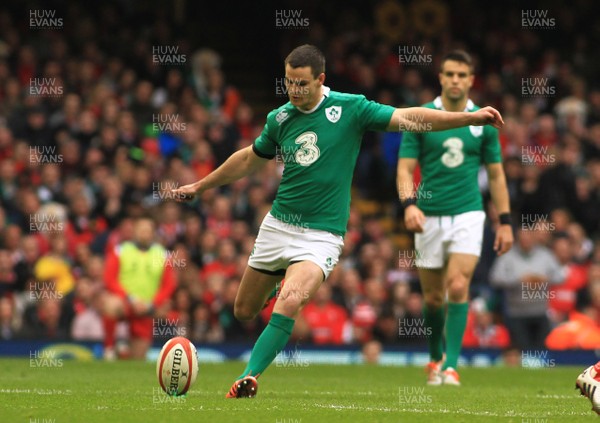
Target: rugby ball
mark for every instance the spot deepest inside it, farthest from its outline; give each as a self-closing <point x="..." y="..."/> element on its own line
<point x="177" y="366"/>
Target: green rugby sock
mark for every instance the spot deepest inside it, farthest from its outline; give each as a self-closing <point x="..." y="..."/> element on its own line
<point x="434" y="321"/>
<point x="455" y="329"/>
<point x="270" y="342"/>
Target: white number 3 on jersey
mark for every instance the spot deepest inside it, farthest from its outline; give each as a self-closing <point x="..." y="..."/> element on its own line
<point x="308" y="153"/>
<point x="454" y="156"/>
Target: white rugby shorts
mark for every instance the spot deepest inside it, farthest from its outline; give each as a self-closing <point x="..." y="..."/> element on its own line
<point x="443" y="235"/>
<point x="280" y="244"/>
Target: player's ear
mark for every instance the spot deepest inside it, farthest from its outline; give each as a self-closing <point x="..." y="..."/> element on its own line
<point x="321" y="78"/>
<point x="471" y="80"/>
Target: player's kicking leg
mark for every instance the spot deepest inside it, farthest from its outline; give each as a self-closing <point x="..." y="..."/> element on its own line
<point x="253" y="292"/>
<point x="457" y="278"/>
<point x="308" y="255"/>
<point x="301" y="281"/>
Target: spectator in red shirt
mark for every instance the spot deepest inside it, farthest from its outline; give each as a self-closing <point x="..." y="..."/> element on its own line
<point x="364" y="314"/>
<point x="481" y="331"/>
<point x="563" y="297"/>
<point x="220" y="220"/>
<point x="170" y="227"/>
<point x="225" y="263"/>
<point x="328" y="321"/>
<point x="82" y="227"/>
<point x="203" y="161"/>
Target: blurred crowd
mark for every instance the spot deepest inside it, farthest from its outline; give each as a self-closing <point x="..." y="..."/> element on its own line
<point x="100" y="122"/>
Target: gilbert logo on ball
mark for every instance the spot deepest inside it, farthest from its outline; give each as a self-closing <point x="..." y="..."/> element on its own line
<point x="177" y="366"/>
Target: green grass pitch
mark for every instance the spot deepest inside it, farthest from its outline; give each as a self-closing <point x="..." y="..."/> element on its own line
<point x="128" y="392"/>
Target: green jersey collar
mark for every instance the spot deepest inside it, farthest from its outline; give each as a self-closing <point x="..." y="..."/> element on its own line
<point x="326" y="91"/>
<point x="438" y="104"/>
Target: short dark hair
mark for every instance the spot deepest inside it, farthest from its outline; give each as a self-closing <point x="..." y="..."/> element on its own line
<point x="458" y="56"/>
<point x="307" y="55"/>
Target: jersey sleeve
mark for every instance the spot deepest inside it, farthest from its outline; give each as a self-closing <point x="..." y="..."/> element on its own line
<point x="374" y="116"/>
<point x="264" y="145"/>
<point x="491" y="150"/>
<point x="410" y="146"/>
<point x="111" y="271"/>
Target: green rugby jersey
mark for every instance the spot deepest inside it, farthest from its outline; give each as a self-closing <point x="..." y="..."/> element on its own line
<point x="319" y="151"/>
<point x="450" y="162"/>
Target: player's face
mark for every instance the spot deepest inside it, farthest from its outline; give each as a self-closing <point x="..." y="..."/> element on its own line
<point x="303" y="89"/>
<point x="456" y="80"/>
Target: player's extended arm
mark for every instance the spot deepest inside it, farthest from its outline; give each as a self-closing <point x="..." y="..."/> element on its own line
<point x="423" y="119"/>
<point x="241" y="163"/>
<point x="414" y="219"/>
<point x="499" y="192"/>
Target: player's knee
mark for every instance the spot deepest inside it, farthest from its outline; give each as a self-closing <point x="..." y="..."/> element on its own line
<point x="243" y="312"/>
<point x="458" y="288"/>
<point x="289" y="305"/>
<point x="111" y="306"/>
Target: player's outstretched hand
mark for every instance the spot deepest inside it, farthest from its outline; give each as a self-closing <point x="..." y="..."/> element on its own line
<point x="504" y="239"/>
<point x="488" y="116"/>
<point x="184" y="193"/>
<point x="414" y="219"/>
